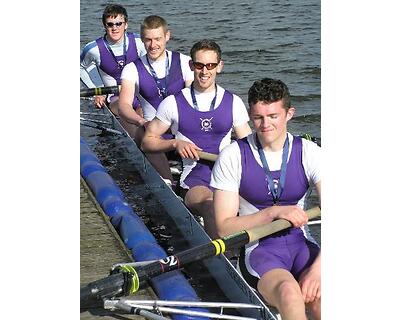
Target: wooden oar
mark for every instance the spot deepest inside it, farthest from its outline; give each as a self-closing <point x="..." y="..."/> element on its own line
<point x="207" y="156"/>
<point x="128" y="279"/>
<point x="99" y="91"/>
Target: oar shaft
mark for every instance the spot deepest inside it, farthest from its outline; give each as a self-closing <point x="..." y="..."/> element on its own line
<point x="216" y="247"/>
<point x="100" y="127"/>
<point x="138" y="276"/>
<point x="99" y="91"/>
<point x="207" y="156"/>
<point x="94" y="120"/>
<point x="93" y="293"/>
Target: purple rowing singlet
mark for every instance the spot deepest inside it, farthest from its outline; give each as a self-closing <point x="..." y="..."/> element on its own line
<point x="206" y="130"/>
<point x="147" y="86"/>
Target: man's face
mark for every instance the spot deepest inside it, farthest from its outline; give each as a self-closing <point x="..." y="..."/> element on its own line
<point x="115" y="27"/>
<point x="204" y="79"/>
<point x="155" y="42"/>
<point x="270" y="120"/>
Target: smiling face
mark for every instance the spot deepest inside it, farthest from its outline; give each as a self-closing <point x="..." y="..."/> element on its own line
<point x="204" y="79"/>
<point x="114" y="32"/>
<point x="155" y="42"/>
<point x="270" y="123"/>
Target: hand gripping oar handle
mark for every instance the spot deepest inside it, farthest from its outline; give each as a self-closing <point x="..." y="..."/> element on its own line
<point x="137" y="277"/>
<point x="277" y="225"/>
<point x="99" y="91"/>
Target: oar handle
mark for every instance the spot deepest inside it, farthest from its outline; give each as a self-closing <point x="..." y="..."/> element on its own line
<point x="277" y="225"/>
<point x="207" y="156"/>
<point x="100" y="91"/>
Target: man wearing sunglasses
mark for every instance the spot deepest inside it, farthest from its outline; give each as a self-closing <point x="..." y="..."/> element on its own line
<point x="151" y="78"/>
<point x="201" y="117"/>
<point x="110" y="53"/>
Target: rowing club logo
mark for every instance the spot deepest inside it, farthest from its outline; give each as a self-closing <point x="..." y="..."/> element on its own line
<point x="206" y="124"/>
<point x="170" y="261"/>
<point x="121" y="64"/>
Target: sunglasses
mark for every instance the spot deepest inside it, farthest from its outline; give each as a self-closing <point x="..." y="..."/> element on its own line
<point x="117" y="24"/>
<point x="209" y="66"/>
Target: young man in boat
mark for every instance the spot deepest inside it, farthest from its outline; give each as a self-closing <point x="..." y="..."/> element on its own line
<point x="267" y="176"/>
<point x="202" y="118"/>
<point x="151" y="78"/>
<point x="110" y="53"/>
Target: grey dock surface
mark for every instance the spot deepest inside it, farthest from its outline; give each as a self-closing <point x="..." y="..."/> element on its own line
<point x="100" y="248"/>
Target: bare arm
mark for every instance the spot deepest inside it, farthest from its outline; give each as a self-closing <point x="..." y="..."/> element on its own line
<point x="310" y="279"/>
<point x="226" y="206"/>
<point x="88" y="63"/>
<point x="242" y="131"/>
<point x="153" y="141"/>
<point x="125" y="109"/>
<point x="318" y="189"/>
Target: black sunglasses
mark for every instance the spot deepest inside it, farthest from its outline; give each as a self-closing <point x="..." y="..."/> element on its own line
<point x="117" y="24"/>
<point x="209" y="66"/>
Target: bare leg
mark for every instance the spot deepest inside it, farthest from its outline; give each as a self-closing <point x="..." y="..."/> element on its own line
<point x="281" y="290"/>
<point x="314" y="309"/>
<point x="114" y="107"/>
<point x="199" y="199"/>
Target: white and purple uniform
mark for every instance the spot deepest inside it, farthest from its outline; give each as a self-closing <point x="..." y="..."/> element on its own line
<point x="239" y="169"/>
<point x="208" y="129"/>
<point x="169" y="74"/>
<point x="109" y="59"/>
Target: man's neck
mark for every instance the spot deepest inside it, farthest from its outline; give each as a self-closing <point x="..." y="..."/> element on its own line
<point x="200" y="89"/>
<point x="275" y="145"/>
<point x="160" y="58"/>
<point x="115" y="42"/>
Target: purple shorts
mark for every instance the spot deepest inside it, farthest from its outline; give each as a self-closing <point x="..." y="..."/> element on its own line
<point x="291" y="251"/>
<point x="200" y="175"/>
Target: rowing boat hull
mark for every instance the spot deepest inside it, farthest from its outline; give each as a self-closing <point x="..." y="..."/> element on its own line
<point x="220" y="268"/>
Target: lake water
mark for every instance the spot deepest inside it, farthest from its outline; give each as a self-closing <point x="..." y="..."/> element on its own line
<point x="276" y="39"/>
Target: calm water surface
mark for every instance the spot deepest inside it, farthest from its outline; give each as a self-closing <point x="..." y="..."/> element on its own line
<point x="278" y="39"/>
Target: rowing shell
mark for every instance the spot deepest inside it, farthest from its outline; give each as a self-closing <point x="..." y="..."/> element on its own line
<point x="232" y="284"/>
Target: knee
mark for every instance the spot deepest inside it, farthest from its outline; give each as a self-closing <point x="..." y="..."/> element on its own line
<point x="202" y="208"/>
<point x="114" y="107"/>
<point x="288" y="292"/>
<point x="201" y="204"/>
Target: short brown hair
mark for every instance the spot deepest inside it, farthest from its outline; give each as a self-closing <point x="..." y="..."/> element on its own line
<point x="153" y="22"/>
<point x="206" y="44"/>
<point x="113" y="10"/>
<point x="269" y="90"/>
